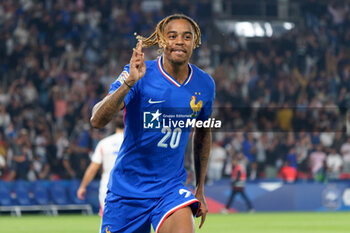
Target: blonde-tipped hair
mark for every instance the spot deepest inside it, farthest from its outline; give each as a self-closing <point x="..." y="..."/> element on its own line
<point x="158" y="37"/>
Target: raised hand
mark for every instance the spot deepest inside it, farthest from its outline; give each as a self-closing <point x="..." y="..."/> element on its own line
<point x="137" y="65"/>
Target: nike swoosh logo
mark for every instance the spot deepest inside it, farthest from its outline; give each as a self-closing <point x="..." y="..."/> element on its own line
<point x="155" y="101"/>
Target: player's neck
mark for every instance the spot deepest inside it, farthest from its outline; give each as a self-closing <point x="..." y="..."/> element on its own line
<point x="178" y="71"/>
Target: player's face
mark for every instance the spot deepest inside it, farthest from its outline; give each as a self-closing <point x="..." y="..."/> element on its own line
<point x="180" y="41"/>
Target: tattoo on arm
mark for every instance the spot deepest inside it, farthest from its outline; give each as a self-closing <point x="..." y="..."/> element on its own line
<point x="201" y="150"/>
<point x="104" y="110"/>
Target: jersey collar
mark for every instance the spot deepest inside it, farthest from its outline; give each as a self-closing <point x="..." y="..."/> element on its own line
<point x="171" y="79"/>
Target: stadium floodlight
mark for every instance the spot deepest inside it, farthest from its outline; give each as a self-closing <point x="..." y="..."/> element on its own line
<point x="252" y="29"/>
<point x="268" y="28"/>
<point x="258" y="29"/>
<point x="288" y="25"/>
<point x="244" y="29"/>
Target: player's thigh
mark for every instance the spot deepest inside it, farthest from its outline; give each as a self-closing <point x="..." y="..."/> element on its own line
<point x="181" y="221"/>
<point x="174" y="200"/>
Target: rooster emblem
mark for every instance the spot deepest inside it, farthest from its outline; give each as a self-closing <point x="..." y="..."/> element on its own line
<point x="196" y="107"/>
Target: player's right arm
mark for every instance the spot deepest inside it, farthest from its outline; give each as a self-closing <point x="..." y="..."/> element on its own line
<point x="104" y="110"/>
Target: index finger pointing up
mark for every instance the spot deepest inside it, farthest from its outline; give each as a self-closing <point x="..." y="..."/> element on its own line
<point x="139" y="46"/>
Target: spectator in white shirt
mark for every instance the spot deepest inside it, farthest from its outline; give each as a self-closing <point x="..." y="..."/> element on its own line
<point x="334" y="164"/>
<point x="216" y="162"/>
<point x="345" y="152"/>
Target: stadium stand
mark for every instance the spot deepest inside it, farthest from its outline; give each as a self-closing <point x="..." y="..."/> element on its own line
<point x="41" y="193"/>
<point x="40" y="196"/>
<point x="22" y="192"/>
<point x="59" y="193"/>
<point x="5" y="194"/>
<point x="72" y="192"/>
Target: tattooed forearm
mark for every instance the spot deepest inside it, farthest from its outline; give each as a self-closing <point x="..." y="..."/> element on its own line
<point x="104" y="110"/>
<point x="201" y="150"/>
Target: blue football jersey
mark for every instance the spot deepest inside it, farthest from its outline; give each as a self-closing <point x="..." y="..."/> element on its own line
<point x="159" y="114"/>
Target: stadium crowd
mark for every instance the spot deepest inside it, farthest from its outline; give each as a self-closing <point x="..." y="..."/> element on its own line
<point x="283" y="101"/>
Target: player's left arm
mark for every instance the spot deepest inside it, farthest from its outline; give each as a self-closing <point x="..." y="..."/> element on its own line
<point x="201" y="149"/>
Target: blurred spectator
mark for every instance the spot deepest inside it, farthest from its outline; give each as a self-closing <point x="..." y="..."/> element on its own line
<point x="5" y="118"/>
<point x="345" y="152"/>
<point x="327" y="138"/>
<point x="261" y="147"/>
<point x="317" y="161"/>
<point x="303" y="150"/>
<point x="284" y="117"/>
<point x="20" y="155"/>
<point x="334" y="164"/>
<point x="70" y="164"/>
<point x="338" y="10"/>
<point x="291" y="158"/>
<point x="338" y="141"/>
<point x="287" y="173"/>
<point x="312" y="12"/>
<point x="4" y="97"/>
<point x="252" y="171"/>
<point x="272" y="155"/>
<point x="216" y="163"/>
<point x="2" y="165"/>
<point x="249" y="147"/>
<point x="30" y="93"/>
<point x="39" y="169"/>
<point x="3" y="154"/>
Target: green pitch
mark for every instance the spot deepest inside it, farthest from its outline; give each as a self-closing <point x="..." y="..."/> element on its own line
<point x="337" y="222"/>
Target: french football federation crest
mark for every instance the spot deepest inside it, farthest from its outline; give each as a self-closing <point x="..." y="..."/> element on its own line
<point x="196" y="107"/>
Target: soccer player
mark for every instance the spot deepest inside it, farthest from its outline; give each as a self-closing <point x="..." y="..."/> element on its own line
<point x="104" y="155"/>
<point x="146" y="185"/>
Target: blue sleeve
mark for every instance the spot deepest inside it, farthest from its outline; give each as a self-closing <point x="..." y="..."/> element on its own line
<point x="119" y="81"/>
<point x="208" y="106"/>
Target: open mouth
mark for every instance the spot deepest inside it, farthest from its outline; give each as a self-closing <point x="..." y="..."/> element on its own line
<point x="178" y="51"/>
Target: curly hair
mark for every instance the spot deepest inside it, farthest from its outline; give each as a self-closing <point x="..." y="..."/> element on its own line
<point x="158" y="37"/>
